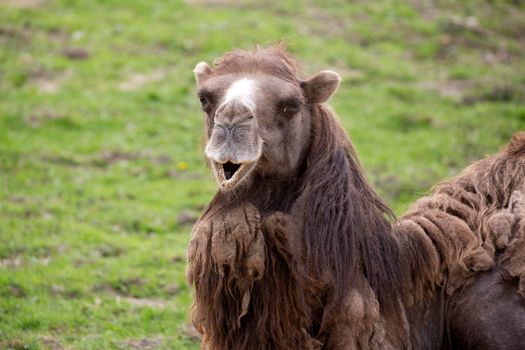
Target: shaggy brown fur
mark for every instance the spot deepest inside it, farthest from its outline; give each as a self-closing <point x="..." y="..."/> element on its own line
<point x="273" y="61"/>
<point x="507" y="229"/>
<point x="310" y="260"/>
<point x="455" y="216"/>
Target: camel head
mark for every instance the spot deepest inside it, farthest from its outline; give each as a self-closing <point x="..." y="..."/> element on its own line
<point x="257" y="113"/>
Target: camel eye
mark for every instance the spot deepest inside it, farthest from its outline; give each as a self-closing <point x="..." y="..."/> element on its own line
<point x="206" y="101"/>
<point x="290" y="107"/>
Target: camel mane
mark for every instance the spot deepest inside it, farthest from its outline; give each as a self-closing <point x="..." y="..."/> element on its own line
<point x="346" y="239"/>
<point x="347" y="228"/>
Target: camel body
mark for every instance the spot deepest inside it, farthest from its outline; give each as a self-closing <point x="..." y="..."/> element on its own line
<point x="301" y="253"/>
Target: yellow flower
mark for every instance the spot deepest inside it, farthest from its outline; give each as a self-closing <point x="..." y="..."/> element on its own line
<point x="182" y="165"/>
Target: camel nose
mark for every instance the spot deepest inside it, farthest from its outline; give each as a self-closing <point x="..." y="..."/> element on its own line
<point x="229" y="115"/>
<point x="233" y="138"/>
<point x="229" y="125"/>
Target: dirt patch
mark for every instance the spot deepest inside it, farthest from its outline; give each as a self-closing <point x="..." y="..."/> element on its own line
<point x="187" y="217"/>
<point x="38" y="118"/>
<point x="48" y="81"/>
<point x="21" y="34"/>
<point x="18" y="260"/>
<point x="156" y="158"/>
<point x="14" y="344"/>
<point x="23" y="3"/>
<point x="145" y="343"/>
<point x="61" y="290"/>
<point x="76" y="53"/>
<point x="109" y="251"/>
<point x="427" y="9"/>
<point x="212" y="2"/>
<point x="491" y="43"/>
<point x="18" y="199"/>
<point x="321" y="23"/>
<point x="61" y="160"/>
<point x="84" y="261"/>
<point x="103" y="159"/>
<point x="120" y="287"/>
<point x="13" y="290"/>
<point x="406" y="122"/>
<point x="501" y="93"/>
<point x="499" y="55"/>
<point x="162" y="159"/>
<point x="52" y="343"/>
<point x="190" y="332"/>
<point x="231" y="4"/>
<point x="112" y="157"/>
<point x="137" y="80"/>
<point x="172" y="289"/>
<point x="454" y="89"/>
<point x="143" y="302"/>
<point x="11" y="262"/>
<point x="318" y="22"/>
<point x="121" y="291"/>
<point x="178" y="259"/>
<point x="455" y="24"/>
<point x="58" y="34"/>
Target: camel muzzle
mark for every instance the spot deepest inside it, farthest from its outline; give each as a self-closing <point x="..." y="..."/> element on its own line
<point x="230" y="174"/>
<point x="233" y="154"/>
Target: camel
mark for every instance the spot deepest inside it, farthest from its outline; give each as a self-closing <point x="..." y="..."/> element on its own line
<point x="297" y="251"/>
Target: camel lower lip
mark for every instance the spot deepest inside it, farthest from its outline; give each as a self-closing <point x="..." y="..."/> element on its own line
<point x="229" y="174"/>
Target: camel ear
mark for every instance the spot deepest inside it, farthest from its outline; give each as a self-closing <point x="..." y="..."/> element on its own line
<point x="202" y="71"/>
<point x="321" y="86"/>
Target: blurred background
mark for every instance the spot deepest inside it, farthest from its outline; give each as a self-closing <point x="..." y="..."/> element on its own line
<point x="101" y="168"/>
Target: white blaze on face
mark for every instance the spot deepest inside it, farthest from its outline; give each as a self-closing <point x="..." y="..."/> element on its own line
<point x="241" y="91"/>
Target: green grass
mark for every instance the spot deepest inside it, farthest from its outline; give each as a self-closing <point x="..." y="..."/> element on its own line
<point x="101" y="167"/>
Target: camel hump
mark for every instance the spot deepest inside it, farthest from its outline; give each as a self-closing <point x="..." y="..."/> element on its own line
<point x="516" y="145"/>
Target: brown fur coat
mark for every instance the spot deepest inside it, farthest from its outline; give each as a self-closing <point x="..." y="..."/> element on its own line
<point x="314" y="261"/>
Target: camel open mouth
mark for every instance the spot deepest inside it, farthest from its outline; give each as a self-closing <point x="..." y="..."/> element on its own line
<point x="229" y="174"/>
<point x="230" y="169"/>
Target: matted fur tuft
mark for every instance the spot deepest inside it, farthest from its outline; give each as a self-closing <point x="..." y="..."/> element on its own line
<point x="516" y="146"/>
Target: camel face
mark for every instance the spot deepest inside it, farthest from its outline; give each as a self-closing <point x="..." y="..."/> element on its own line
<point x="234" y="146"/>
<point x="258" y="122"/>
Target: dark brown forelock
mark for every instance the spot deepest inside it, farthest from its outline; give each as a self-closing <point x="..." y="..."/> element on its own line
<point x="275" y="61"/>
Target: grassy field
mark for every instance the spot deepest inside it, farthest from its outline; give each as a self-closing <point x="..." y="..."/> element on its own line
<point x="101" y="169"/>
